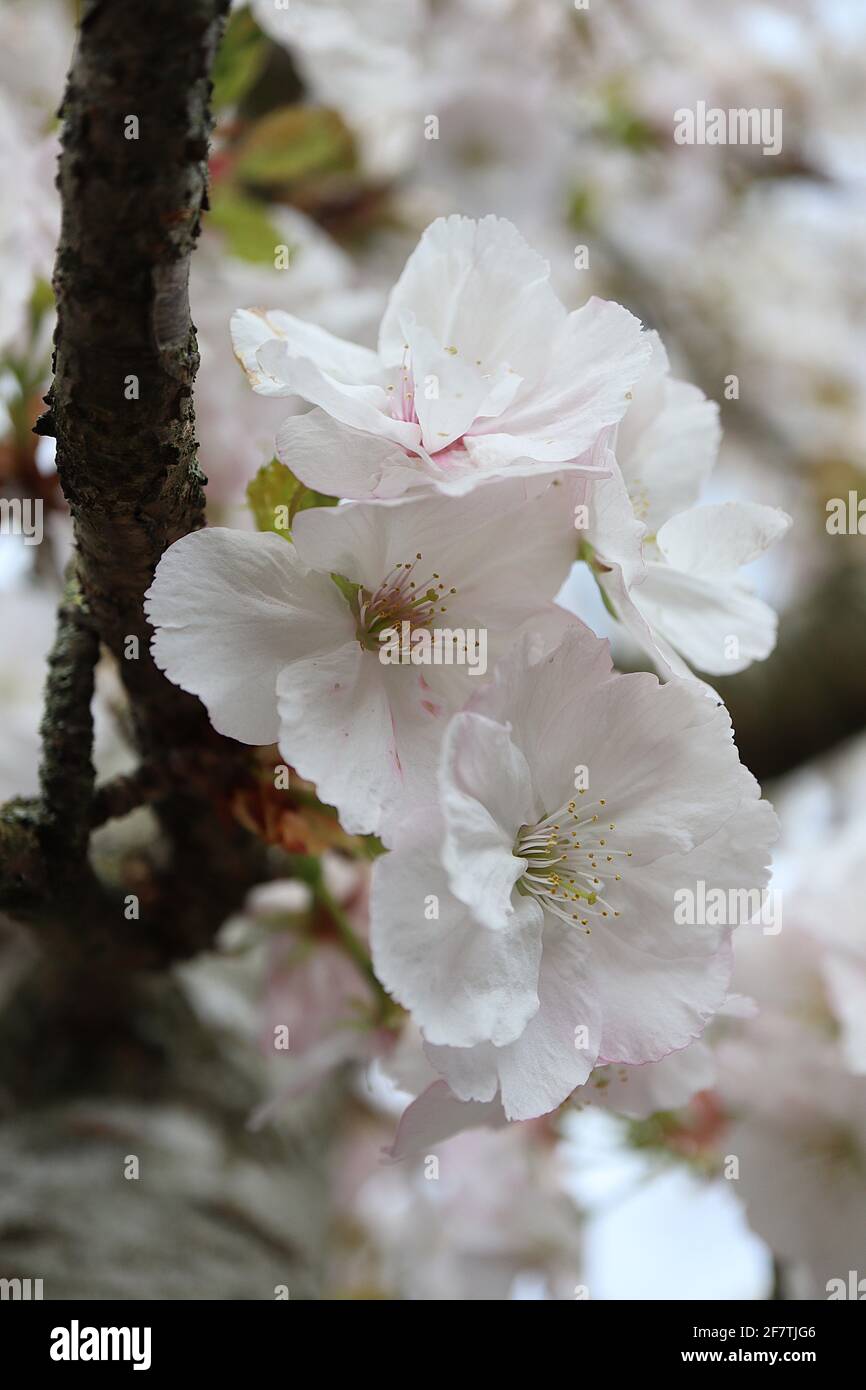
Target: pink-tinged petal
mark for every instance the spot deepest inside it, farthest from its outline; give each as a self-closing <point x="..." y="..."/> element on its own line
<point x="462" y="470"/>
<point x="363" y="406"/>
<point x="438" y="1115"/>
<point x="342" y="462"/>
<point x="594" y="361"/>
<point x="639" y="1092"/>
<point x="449" y="391"/>
<point x="356" y="728"/>
<point x="463" y="982"/>
<point x="231" y="609"/>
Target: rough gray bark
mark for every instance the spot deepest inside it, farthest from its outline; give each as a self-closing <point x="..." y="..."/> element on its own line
<point x="100" y="1056"/>
<point x="133" y="184"/>
<point x="125" y="351"/>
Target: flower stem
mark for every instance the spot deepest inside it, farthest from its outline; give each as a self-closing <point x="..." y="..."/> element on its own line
<point x="355" y="948"/>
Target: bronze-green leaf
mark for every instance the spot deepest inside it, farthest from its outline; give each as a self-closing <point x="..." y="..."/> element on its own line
<point x="245" y="224"/>
<point x="276" y="496"/>
<point x="239" y="60"/>
<point x="293" y="143"/>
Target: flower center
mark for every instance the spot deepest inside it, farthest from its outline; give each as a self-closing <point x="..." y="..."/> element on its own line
<point x="404" y="407"/>
<point x="402" y="597"/>
<point x="570" y="860"/>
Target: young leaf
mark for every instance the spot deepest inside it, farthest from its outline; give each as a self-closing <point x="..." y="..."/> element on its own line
<point x="239" y="60"/>
<point x="276" y="496"/>
<point x="292" y="143"/>
<point x="245" y="224"/>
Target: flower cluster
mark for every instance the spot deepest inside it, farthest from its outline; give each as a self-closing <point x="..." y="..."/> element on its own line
<point x="538" y="810"/>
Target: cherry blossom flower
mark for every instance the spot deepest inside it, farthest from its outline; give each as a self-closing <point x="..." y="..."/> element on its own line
<point x="496" y="1223"/>
<point x="799" y="1135"/>
<point x="480" y="371"/>
<point x="669" y="568"/>
<point x="235" y="429"/>
<point x="532" y="934"/>
<point x="433" y="1113"/>
<point x="793" y="1077"/>
<point x="279" y="652"/>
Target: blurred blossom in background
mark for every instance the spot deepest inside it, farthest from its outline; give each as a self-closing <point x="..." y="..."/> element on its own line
<point x="342" y="129"/>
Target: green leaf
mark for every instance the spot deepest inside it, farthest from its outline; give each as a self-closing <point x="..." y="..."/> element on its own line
<point x="275" y="497"/>
<point x="292" y="143"/>
<point x="239" y="61"/>
<point x="245" y="224"/>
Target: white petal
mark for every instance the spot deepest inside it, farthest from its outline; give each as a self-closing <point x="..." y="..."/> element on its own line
<point x="662" y="757"/>
<point x="250" y="329"/>
<point x="614" y="532"/>
<point x="535" y="698"/>
<point x="485" y="790"/>
<point x="667" y="443"/>
<point x="642" y="1091"/>
<point x="363" y="406"/>
<point x="359" y="731"/>
<point x="231" y="609"/>
<point x="555" y="1052"/>
<point x="449" y="390"/>
<point x="714" y="541"/>
<point x="462" y="982"/>
<point x="594" y="361"/>
<point x="717" y="625"/>
<point x="736" y="857"/>
<point x="438" y="1115"/>
<point x="479" y="287"/>
<point x="471" y="1072"/>
<point x="347" y="362"/>
<point x="344" y="462"/>
<point x="623" y="601"/>
<point x="471" y="543"/>
<point x="653" y="1004"/>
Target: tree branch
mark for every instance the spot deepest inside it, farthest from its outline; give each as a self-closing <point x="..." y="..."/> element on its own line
<point x="22" y="866"/>
<point x="133" y="181"/>
<point x="66" y="775"/>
